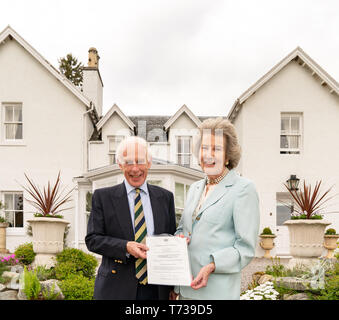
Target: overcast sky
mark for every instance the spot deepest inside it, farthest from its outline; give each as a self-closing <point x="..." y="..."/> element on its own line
<point x="157" y="55"/>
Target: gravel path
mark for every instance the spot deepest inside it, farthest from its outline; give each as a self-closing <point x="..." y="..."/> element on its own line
<point x="257" y="264"/>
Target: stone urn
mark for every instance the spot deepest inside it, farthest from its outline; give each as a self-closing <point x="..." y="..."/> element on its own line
<point x="330" y="243"/>
<point x="48" y="239"/>
<point x="267" y="244"/>
<point x="3" y="226"/>
<point x="306" y="240"/>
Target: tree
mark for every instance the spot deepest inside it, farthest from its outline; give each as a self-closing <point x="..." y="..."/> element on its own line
<point x="71" y="69"/>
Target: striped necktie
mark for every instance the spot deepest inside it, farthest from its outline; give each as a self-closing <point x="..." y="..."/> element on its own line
<point x="140" y="236"/>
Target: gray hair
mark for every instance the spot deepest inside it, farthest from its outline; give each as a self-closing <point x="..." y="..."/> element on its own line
<point x="216" y="125"/>
<point x="132" y="140"/>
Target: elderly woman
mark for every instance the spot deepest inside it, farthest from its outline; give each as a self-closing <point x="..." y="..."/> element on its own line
<point x="220" y="219"/>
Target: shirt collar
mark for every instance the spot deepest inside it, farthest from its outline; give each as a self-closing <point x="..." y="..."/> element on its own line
<point x="130" y="188"/>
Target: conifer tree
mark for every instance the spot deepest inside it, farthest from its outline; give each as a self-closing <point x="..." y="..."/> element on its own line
<point x="71" y="69"/>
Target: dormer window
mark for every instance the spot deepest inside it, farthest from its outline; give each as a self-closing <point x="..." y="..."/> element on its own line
<point x="184" y="153"/>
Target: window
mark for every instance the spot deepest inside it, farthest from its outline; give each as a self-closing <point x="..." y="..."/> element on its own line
<point x="184" y="151"/>
<point x="12" y="121"/>
<point x="180" y="193"/>
<point x="88" y="205"/>
<point x="290" y="133"/>
<point x="113" y="142"/>
<point x="14" y="213"/>
<point x="284" y="208"/>
<point x="154" y="182"/>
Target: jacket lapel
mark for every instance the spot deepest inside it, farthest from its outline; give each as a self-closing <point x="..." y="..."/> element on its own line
<point x="220" y="190"/>
<point x="120" y="202"/>
<point x="191" y="206"/>
<point x="156" y="200"/>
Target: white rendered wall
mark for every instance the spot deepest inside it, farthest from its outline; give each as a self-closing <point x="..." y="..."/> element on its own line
<point x="293" y="89"/>
<point x="52" y="129"/>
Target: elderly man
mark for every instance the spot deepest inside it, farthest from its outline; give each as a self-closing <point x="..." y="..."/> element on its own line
<point x="120" y="219"/>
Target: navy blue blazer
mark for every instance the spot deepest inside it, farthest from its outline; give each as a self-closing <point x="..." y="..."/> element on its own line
<point x="108" y="231"/>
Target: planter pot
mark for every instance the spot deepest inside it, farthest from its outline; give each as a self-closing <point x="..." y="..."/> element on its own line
<point x="306" y="240"/>
<point x="267" y="244"/>
<point x="330" y="243"/>
<point x="3" y="226"/>
<point x="48" y="239"/>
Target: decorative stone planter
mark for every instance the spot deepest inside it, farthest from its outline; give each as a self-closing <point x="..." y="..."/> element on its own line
<point x="267" y="244"/>
<point x="3" y="226"/>
<point x="306" y="240"/>
<point x="330" y="243"/>
<point x="48" y="239"/>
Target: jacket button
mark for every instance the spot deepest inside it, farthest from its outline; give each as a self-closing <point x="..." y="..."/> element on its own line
<point x="198" y="218"/>
<point x="113" y="271"/>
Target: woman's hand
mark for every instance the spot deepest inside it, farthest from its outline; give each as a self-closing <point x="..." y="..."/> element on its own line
<point x="182" y="236"/>
<point x="173" y="295"/>
<point x="202" y="277"/>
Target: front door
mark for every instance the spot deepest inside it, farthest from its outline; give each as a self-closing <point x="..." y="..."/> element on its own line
<point x="284" y="208"/>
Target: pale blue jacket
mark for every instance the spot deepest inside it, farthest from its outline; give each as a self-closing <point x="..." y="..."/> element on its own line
<point x="225" y="231"/>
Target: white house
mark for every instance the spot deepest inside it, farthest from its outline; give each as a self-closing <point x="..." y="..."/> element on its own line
<point x="286" y="123"/>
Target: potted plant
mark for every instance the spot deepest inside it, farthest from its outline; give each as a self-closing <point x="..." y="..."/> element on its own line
<point x="330" y="242"/>
<point x="306" y="226"/>
<point x="48" y="226"/>
<point x="3" y="226"/>
<point x="266" y="242"/>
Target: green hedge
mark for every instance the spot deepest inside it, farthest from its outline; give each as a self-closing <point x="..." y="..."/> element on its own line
<point x="74" y="261"/>
<point x="77" y="287"/>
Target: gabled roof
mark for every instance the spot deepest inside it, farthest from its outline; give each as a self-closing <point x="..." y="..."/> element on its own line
<point x="183" y="109"/>
<point x="109" y="114"/>
<point x="9" y="33"/>
<point x="302" y="59"/>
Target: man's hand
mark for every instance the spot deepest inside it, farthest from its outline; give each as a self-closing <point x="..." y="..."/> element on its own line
<point x="136" y="249"/>
<point x="202" y="277"/>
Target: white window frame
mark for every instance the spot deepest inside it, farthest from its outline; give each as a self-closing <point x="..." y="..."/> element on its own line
<point x="186" y="188"/>
<point x="288" y="133"/>
<point x="4" y="122"/>
<point x="112" y="154"/>
<point x="189" y="154"/>
<point x="3" y="193"/>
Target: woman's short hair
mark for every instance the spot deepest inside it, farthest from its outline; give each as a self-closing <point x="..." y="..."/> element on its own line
<point x="216" y="125"/>
<point x="132" y="140"/>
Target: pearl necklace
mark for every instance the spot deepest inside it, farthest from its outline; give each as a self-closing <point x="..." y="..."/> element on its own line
<point x="218" y="179"/>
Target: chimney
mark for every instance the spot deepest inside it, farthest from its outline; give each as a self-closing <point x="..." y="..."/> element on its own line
<point x="92" y="86"/>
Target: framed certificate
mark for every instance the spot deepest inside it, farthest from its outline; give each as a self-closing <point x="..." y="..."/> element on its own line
<point x="167" y="261"/>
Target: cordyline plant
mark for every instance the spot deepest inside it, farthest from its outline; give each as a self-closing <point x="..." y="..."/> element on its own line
<point x="309" y="202"/>
<point x="49" y="201"/>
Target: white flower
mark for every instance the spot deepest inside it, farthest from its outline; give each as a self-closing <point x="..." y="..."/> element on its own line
<point x="257" y="297"/>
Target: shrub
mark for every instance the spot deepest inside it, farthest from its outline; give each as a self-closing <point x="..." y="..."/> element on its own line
<point x="331" y="291"/>
<point x="330" y="231"/>
<point x="267" y="231"/>
<point x="25" y="253"/>
<point x="32" y="285"/>
<point x="65" y="269"/>
<point x="82" y="262"/>
<point x="77" y="287"/>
